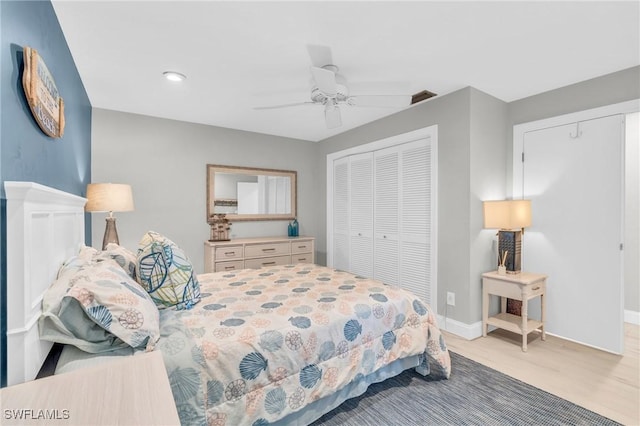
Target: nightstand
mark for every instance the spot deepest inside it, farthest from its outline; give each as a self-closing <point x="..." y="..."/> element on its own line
<point x="523" y="286"/>
<point x="132" y="390"/>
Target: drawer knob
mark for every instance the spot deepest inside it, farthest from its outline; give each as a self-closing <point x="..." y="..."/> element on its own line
<point x="268" y="263"/>
<point x="536" y="288"/>
<point x="229" y="253"/>
<point x="229" y="267"/>
<point x="268" y="249"/>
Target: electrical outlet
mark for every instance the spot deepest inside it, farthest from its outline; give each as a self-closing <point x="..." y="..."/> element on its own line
<point x="451" y="298"/>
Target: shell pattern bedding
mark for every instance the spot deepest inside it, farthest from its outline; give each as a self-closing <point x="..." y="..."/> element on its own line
<point x="262" y="344"/>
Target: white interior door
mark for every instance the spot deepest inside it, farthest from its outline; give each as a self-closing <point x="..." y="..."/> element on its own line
<point x="573" y="175"/>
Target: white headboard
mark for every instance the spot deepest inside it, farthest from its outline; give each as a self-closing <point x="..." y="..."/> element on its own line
<point x="45" y="226"/>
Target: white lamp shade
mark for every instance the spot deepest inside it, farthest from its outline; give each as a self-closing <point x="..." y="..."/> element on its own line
<point x="507" y="214"/>
<point x="109" y="197"/>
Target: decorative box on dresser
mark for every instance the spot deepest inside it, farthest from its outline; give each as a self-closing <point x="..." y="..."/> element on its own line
<point x="254" y="253"/>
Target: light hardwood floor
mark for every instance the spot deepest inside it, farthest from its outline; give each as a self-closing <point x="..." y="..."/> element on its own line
<point x="602" y="382"/>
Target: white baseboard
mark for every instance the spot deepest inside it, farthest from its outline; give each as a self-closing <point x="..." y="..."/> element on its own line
<point x="632" y="317"/>
<point x="466" y="331"/>
<point x="474" y="330"/>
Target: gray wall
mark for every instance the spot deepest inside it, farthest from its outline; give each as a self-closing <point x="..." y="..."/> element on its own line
<point x="489" y="136"/>
<point x="609" y="89"/>
<point x="165" y="162"/>
<point x="457" y="227"/>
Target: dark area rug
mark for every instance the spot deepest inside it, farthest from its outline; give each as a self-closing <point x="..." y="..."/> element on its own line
<point x="474" y="395"/>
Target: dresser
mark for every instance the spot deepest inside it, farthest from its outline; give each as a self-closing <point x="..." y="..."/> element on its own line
<point x="254" y="253"/>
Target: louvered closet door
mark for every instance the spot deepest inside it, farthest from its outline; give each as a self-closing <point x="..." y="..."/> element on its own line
<point x="387" y="203"/>
<point x="415" y="218"/>
<point x="361" y="223"/>
<point x="341" y="214"/>
<point x="402" y="212"/>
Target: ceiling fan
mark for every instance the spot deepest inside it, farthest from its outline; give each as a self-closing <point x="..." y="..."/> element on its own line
<point x="329" y="89"/>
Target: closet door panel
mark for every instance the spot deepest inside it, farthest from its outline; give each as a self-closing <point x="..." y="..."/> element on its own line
<point x="361" y="256"/>
<point x="416" y="197"/>
<point x="387" y="261"/>
<point x="341" y="213"/>
<point x="341" y="252"/>
<point x="415" y="219"/>
<point x="387" y="193"/>
<point x="414" y="271"/>
<point x="361" y="221"/>
<point x="387" y="231"/>
<point x="361" y="192"/>
<point x="386" y="206"/>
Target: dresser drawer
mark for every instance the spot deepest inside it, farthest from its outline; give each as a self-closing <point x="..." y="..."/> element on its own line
<point x="267" y="261"/>
<point x="302" y="246"/>
<point x="228" y="253"/>
<point x="229" y="266"/>
<point x="266" y="249"/>
<point x="302" y="258"/>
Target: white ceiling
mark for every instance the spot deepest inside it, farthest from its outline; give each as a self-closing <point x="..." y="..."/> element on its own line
<point x="239" y="55"/>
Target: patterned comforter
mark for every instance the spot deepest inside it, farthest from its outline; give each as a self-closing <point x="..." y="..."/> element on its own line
<point x="264" y="343"/>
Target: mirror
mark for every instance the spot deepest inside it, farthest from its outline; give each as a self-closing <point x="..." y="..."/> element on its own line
<point x="244" y="193"/>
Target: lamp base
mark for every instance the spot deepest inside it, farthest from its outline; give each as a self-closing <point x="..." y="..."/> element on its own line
<point x="110" y="233"/>
<point x="511" y="242"/>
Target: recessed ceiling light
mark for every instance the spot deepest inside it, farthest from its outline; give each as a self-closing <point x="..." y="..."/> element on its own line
<point x="174" y="76"/>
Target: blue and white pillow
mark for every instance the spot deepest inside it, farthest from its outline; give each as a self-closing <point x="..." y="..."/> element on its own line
<point x="164" y="270"/>
<point x="123" y="256"/>
<point x="99" y="308"/>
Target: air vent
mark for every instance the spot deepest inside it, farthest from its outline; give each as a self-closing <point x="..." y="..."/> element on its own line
<point x="421" y="96"/>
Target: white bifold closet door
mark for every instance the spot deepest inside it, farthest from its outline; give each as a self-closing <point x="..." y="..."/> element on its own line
<point x="416" y="220"/>
<point x="387" y="215"/>
<point x="382" y="215"/>
<point x="361" y="218"/>
<point x="341" y="215"/>
<point x="573" y="176"/>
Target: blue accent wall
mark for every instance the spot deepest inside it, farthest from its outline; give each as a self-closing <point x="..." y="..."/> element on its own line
<point x="26" y="153"/>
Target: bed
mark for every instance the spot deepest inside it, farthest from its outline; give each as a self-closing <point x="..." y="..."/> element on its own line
<point x="280" y="345"/>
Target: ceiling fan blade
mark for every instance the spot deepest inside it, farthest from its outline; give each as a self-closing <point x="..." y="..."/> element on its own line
<point x="332" y="115"/>
<point x="320" y="55"/>
<point x="325" y="80"/>
<point x="382" y="101"/>
<point x="284" y="105"/>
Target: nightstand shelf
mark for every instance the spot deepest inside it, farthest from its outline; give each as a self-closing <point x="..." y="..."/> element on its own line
<point x="512" y="322"/>
<point x="523" y="286"/>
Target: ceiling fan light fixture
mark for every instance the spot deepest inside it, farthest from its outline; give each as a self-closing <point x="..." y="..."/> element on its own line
<point x="332" y="115"/>
<point x="330" y="90"/>
<point x="174" y="76"/>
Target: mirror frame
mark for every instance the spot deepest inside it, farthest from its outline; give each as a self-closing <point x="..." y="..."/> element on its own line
<point x="211" y="173"/>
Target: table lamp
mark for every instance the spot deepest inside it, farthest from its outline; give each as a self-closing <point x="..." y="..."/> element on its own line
<point x="510" y="217"/>
<point x="109" y="197"/>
